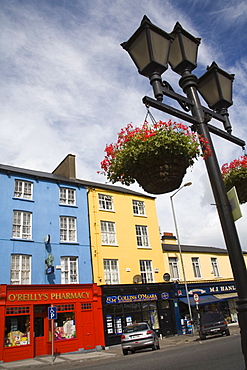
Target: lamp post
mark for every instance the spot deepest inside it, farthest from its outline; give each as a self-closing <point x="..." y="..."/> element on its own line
<point x="216" y="88"/>
<point x="180" y="252"/>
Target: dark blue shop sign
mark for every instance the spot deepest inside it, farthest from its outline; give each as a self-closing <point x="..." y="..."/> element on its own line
<point x="209" y="289"/>
<point x="142" y="297"/>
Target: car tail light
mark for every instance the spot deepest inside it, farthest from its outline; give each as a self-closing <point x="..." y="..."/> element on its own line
<point x="122" y="336"/>
<point x="149" y="332"/>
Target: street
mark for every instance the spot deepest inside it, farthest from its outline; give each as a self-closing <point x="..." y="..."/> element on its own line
<point x="214" y="353"/>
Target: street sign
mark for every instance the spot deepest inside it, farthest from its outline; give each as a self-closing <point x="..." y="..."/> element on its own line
<point x="52" y="313"/>
<point x="196" y="298"/>
<point x="234" y="202"/>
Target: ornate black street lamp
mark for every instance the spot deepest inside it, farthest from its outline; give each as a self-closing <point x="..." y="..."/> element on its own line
<point x="216" y="88"/>
<point x="181" y="255"/>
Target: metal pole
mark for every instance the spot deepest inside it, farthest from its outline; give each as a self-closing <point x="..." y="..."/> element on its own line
<point x="181" y="258"/>
<point x="189" y="84"/>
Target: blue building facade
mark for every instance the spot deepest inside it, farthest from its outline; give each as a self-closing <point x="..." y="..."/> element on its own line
<point x="44" y="229"/>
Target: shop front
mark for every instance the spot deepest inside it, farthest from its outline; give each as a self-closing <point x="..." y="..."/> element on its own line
<point x="128" y="304"/>
<point x="208" y="296"/>
<point x="25" y="326"/>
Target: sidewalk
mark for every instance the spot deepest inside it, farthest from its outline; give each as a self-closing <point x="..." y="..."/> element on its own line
<point x="96" y="355"/>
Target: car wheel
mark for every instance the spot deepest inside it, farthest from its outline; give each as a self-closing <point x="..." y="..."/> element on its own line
<point x="153" y="347"/>
<point x="202" y="336"/>
<point x="227" y="332"/>
<point x="125" y="352"/>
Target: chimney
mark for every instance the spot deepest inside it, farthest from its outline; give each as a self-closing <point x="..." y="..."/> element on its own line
<point x="67" y="167"/>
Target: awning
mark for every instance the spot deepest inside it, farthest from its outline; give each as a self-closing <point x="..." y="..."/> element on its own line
<point x="206" y="299"/>
<point x="226" y="296"/>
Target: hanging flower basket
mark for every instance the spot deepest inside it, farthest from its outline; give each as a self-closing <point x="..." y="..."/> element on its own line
<point x="155" y="155"/>
<point x="235" y="174"/>
<point x="161" y="176"/>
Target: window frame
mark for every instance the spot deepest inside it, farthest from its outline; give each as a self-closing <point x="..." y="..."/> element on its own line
<point x="68" y="230"/>
<point x="20" y="230"/>
<point x="142" y="238"/>
<point x="68" y="201"/>
<point x="138" y="207"/>
<point x="215" y="266"/>
<point x="174" y="268"/>
<point x="104" y="203"/>
<point x="24" y="274"/>
<point x="196" y="267"/>
<point x="24" y="193"/>
<point x="111" y="272"/>
<point x="108" y="236"/>
<point x="71" y="261"/>
<point x="146" y="271"/>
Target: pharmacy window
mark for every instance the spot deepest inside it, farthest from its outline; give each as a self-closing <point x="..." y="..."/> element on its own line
<point x="65" y="323"/>
<point x="17" y="326"/>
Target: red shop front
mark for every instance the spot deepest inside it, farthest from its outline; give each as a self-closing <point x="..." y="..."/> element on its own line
<point x="25" y="329"/>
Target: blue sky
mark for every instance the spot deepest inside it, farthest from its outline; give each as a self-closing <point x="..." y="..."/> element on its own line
<point x="67" y="86"/>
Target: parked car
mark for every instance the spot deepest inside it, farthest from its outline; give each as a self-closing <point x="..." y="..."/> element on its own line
<point x="212" y="323"/>
<point x="138" y="336"/>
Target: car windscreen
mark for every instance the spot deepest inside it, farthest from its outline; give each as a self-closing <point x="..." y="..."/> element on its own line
<point x="134" y="328"/>
<point x="211" y="317"/>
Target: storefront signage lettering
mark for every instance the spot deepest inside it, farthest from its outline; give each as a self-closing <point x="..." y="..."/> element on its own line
<point x="208" y="290"/>
<point x="47" y="296"/>
<point x="219" y="289"/>
<point x="132" y="298"/>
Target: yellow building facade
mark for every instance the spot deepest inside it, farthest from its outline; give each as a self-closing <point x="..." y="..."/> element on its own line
<point x="125" y="238"/>
<point x="200" y="263"/>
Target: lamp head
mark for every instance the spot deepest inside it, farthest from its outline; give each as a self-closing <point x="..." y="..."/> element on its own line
<point x="183" y="53"/>
<point x="149" y="48"/>
<point x="215" y="86"/>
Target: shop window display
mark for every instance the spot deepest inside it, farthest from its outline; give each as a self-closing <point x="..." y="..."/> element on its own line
<point x="65" y="326"/>
<point x="17" y="330"/>
<point x="150" y="314"/>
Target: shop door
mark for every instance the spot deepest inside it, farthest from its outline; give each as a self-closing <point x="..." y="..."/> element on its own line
<point x="166" y="319"/>
<point x="87" y="329"/>
<point x="41" y="331"/>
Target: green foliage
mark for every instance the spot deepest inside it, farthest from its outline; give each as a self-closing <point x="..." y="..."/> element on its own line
<point x="145" y="144"/>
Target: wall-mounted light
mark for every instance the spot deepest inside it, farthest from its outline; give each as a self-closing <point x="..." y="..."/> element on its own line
<point x="47" y="239"/>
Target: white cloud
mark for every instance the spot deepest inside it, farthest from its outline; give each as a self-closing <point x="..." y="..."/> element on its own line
<point x="68" y="87"/>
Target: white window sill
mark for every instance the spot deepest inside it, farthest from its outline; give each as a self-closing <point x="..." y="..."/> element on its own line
<point x="109" y="245"/>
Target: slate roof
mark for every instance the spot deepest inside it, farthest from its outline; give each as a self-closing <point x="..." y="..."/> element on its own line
<point x="193" y="249"/>
<point x="76" y="182"/>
